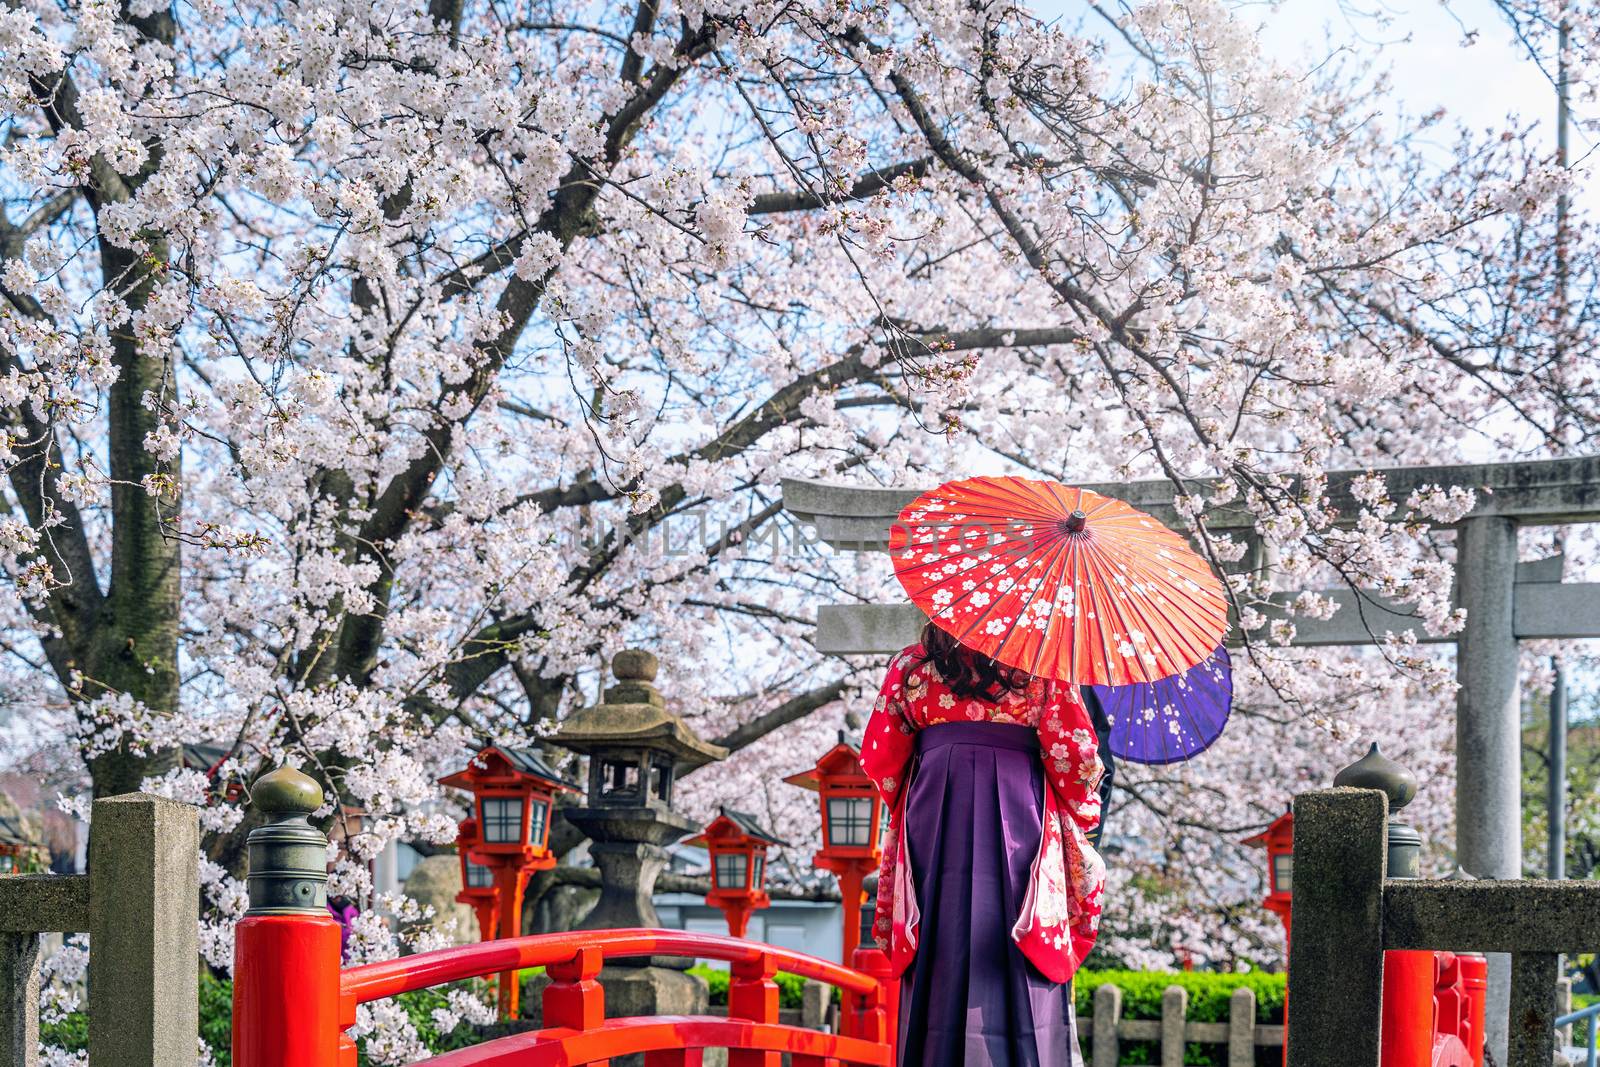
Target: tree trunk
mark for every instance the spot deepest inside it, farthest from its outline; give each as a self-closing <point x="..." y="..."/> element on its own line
<point x="134" y="646"/>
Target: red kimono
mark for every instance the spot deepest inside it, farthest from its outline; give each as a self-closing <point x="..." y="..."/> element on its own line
<point x="1061" y="913"/>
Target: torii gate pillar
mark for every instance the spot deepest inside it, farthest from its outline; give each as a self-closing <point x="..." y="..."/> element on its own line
<point x="1489" y="728"/>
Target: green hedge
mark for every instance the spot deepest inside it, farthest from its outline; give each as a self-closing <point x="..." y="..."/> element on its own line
<point x="1208" y="1003"/>
<point x="789" y="987"/>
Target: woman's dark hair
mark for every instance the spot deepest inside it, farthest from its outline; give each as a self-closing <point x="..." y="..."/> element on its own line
<point x="968" y="673"/>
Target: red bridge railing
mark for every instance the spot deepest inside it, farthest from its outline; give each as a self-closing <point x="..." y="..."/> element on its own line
<point x="293" y="1003"/>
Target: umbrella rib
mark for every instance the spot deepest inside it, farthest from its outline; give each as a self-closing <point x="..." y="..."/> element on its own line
<point x="1092" y="558"/>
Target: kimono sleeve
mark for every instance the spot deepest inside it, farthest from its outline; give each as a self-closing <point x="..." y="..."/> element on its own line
<point x="1070" y="750"/>
<point x="886" y="751"/>
<point x="890" y="737"/>
<point x="1060" y="916"/>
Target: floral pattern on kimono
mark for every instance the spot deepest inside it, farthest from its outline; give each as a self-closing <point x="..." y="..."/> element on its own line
<point x="1060" y="914"/>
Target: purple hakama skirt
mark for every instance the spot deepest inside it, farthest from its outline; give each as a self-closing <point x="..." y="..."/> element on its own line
<point x="972" y="819"/>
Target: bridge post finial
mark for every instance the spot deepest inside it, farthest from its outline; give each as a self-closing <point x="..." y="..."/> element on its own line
<point x="288" y="856"/>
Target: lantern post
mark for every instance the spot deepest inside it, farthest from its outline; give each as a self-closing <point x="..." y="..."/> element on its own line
<point x="513" y="794"/>
<point x="1278" y="840"/>
<point x="852" y="826"/>
<point x="738" y="850"/>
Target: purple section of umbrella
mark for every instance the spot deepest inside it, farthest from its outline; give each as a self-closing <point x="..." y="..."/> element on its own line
<point x="1173" y="719"/>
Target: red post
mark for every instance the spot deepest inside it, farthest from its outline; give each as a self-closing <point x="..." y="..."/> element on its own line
<point x="286" y="991"/>
<point x="484" y="910"/>
<point x="510" y="879"/>
<point x="1406" y="1036"/>
<point x="738" y="915"/>
<point x="851" y="875"/>
<point x="574" y="999"/>
<point x="874" y="1017"/>
<point x="753" y="995"/>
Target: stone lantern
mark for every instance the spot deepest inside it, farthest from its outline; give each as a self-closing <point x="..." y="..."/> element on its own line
<point x="636" y="749"/>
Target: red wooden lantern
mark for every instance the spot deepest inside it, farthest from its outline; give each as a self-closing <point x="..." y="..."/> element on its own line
<point x="852" y="827"/>
<point x="1278" y="839"/>
<point x="477" y="880"/>
<point x="738" y="848"/>
<point x="513" y="792"/>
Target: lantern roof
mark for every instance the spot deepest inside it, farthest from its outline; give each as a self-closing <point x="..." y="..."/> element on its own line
<point x="1282" y="826"/>
<point x="204" y="758"/>
<point x="499" y="760"/>
<point x="634" y="713"/>
<point x="843" y="760"/>
<point x="732" y="823"/>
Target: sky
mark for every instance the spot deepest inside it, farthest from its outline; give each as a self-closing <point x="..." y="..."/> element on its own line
<point x="1423" y="48"/>
<point x="1420" y="43"/>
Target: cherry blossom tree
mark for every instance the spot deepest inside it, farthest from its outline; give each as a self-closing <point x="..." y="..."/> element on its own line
<point x="372" y="371"/>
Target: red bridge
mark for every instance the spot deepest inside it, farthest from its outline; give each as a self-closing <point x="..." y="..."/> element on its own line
<point x="292" y="1002"/>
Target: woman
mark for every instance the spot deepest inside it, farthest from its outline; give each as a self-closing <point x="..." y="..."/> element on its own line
<point x="989" y="894"/>
<point x="344" y="912"/>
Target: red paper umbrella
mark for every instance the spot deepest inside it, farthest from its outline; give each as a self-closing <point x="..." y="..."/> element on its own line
<point x="1063" y="583"/>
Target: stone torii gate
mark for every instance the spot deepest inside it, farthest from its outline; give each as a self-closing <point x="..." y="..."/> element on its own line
<point x="1505" y="602"/>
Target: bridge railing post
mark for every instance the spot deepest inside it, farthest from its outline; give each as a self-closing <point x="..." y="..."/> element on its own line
<point x="753" y="995"/>
<point x="144" y="893"/>
<point x="287" y="1009"/>
<point x="575" y="999"/>
<point x="874" y="1016"/>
